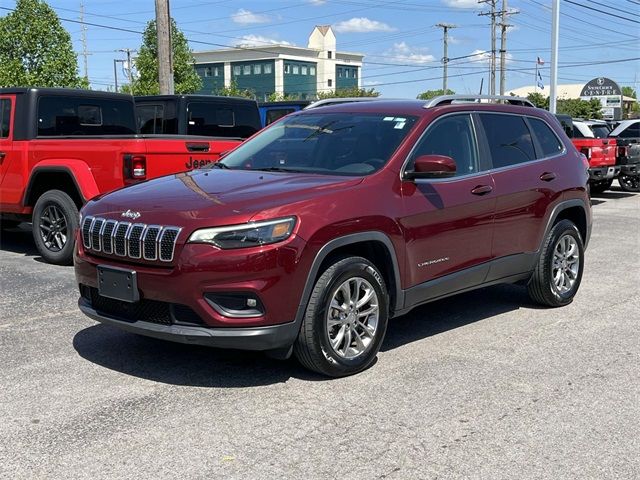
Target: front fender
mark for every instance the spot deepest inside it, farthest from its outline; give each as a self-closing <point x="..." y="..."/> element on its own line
<point x="78" y="170"/>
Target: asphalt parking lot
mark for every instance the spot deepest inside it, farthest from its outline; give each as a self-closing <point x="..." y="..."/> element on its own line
<point x="484" y="385"/>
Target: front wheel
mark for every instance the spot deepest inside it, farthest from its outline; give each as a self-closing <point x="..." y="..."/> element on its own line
<point x="55" y="219"/>
<point x="346" y="319"/>
<point x="629" y="183"/>
<point x="558" y="273"/>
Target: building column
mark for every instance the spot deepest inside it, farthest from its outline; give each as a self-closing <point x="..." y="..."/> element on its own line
<point x="227" y="74"/>
<point x="278" y="66"/>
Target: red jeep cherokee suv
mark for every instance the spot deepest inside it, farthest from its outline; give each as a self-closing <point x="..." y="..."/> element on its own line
<point x="310" y="236"/>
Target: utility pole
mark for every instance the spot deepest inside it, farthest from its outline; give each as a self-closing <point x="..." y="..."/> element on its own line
<point x="503" y="44"/>
<point x="163" y="29"/>
<point x="445" y="58"/>
<point x="83" y="39"/>
<point x="128" y="51"/>
<point x="115" y="72"/>
<point x="555" y="27"/>
<point x="493" y="14"/>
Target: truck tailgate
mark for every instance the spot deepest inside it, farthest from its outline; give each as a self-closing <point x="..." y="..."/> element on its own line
<point x="165" y="156"/>
<point x="601" y="152"/>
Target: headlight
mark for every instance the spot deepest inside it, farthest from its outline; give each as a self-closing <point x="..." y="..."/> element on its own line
<point x="251" y="234"/>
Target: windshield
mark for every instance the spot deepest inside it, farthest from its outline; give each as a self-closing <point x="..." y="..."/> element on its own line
<point x="333" y="144"/>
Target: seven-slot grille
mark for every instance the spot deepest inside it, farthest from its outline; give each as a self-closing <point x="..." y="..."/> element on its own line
<point x="126" y="239"/>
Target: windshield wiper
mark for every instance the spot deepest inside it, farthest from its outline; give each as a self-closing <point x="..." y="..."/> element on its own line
<point x="277" y="169"/>
<point x="218" y="165"/>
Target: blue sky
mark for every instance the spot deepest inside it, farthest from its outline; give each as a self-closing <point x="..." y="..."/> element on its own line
<point x="401" y="44"/>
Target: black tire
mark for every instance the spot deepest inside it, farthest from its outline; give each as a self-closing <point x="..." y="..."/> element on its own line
<point x="312" y="347"/>
<point x="65" y="208"/>
<point x="601" y="186"/>
<point x="629" y="183"/>
<point x="541" y="286"/>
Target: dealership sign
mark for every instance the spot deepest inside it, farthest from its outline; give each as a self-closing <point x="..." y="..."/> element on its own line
<point x="608" y="93"/>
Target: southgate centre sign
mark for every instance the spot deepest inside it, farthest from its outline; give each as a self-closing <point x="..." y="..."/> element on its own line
<point x="608" y="93"/>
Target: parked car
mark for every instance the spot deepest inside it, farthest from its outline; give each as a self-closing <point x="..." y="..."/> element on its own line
<point x="310" y="236"/>
<point x="600" y="152"/>
<point x="272" y="111"/>
<point x="61" y="147"/>
<point x="204" y="115"/>
<point x="627" y="135"/>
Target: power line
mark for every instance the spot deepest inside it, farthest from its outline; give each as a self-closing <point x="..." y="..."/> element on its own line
<point x="602" y="11"/>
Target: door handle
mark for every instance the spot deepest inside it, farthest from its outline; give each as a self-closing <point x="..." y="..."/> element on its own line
<point x="547" y="176"/>
<point x="482" y="190"/>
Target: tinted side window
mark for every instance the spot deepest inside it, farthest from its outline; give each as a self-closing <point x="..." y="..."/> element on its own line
<point x="233" y="121"/>
<point x="546" y="138"/>
<point x="276" y="114"/>
<point x="631" y="131"/>
<point x="509" y="139"/>
<point x="577" y="133"/>
<point x="5" y="117"/>
<point x="62" y="116"/>
<point x="149" y="118"/>
<point x="453" y="137"/>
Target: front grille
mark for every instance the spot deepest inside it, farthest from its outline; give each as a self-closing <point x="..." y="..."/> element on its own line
<point x="151" y="242"/>
<point x="152" y="311"/>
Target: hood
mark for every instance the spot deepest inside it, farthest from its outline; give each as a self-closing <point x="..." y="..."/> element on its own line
<point x="215" y="197"/>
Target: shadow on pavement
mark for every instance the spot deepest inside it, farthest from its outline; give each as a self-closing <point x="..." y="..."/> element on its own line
<point x="18" y="240"/>
<point x="178" y="364"/>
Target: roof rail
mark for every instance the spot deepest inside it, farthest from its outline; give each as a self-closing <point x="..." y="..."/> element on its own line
<point x="338" y="100"/>
<point x="449" y="99"/>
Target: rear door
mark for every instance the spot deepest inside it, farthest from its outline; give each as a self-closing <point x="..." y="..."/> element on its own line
<point x="6" y="134"/>
<point x="448" y="223"/>
<point x="526" y="177"/>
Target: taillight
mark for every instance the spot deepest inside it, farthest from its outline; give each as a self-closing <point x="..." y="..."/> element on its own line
<point x="586" y="151"/>
<point x="135" y="167"/>
<point x="622" y="152"/>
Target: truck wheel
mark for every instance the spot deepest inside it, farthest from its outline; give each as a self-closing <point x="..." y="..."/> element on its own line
<point x="55" y="220"/>
<point x="558" y="273"/>
<point x="629" y="183"/>
<point x="601" y="186"/>
<point x="345" y="320"/>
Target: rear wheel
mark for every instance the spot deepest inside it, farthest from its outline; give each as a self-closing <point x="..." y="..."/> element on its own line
<point x="55" y="220"/>
<point x="601" y="186"/>
<point x="346" y="319"/>
<point x="629" y="183"/>
<point x="558" y="274"/>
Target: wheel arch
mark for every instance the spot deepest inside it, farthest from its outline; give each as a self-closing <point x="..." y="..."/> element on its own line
<point x="574" y="210"/>
<point x="75" y="180"/>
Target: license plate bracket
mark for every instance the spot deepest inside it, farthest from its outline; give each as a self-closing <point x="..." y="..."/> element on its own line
<point x="118" y="283"/>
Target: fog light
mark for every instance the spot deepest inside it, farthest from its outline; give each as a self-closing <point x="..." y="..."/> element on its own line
<point x="235" y="305"/>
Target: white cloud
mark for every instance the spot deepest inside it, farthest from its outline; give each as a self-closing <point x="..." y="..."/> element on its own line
<point x="484" y="56"/>
<point x="462" y="3"/>
<point x="317" y="3"/>
<point x="258" y="41"/>
<point x="403" y="53"/>
<point x="362" y="25"/>
<point x="246" y="17"/>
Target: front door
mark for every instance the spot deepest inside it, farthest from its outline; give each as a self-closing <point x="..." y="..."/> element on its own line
<point x="448" y="223"/>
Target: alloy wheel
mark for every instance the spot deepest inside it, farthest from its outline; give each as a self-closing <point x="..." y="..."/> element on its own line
<point x="630" y="182"/>
<point x="352" y="318"/>
<point x="565" y="264"/>
<point x="53" y="228"/>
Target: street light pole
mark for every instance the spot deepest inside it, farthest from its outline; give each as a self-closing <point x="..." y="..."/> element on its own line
<point x="555" y="26"/>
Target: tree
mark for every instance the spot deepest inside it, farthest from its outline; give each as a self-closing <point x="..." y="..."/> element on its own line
<point x="429" y="94"/>
<point x="349" y="92"/>
<point x="234" y="91"/>
<point x="35" y="50"/>
<point x="629" y="92"/>
<point x="539" y="100"/>
<point x="281" y="97"/>
<point x="580" y="108"/>
<point x="185" y="78"/>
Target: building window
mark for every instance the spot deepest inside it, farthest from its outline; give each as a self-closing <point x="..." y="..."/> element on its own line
<point x="355" y="73"/>
<point x="329" y="54"/>
<point x="312" y="70"/>
<point x="303" y="70"/>
<point x="267" y="68"/>
<point x="287" y="68"/>
<point x="339" y="73"/>
<point x="257" y="69"/>
<point x="246" y="69"/>
<point x="237" y="70"/>
<point x="216" y="71"/>
<point x="296" y="69"/>
<point x="329" y="83"/>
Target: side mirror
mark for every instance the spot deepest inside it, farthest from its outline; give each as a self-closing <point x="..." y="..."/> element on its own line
<point x="432" y="166"/>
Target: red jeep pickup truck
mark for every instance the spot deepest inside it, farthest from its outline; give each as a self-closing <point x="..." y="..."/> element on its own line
<point x="600" y="152"/>
<point x="61" y="147"/>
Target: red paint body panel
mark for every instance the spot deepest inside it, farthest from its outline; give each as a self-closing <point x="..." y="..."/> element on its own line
<point x="603" y="150"/>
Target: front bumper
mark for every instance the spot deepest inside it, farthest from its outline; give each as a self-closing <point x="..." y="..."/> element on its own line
<point x="247" y="338"/>
<point x="597" y="174"/>
<point x="631" y="170"/>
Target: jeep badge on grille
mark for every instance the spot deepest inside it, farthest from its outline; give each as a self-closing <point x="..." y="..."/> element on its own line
<point x="130" y="214"/>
